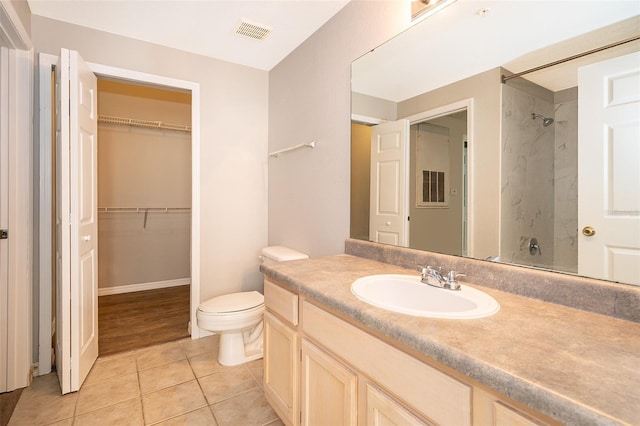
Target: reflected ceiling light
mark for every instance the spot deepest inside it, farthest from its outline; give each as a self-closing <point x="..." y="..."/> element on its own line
<point x="420" y="9"/>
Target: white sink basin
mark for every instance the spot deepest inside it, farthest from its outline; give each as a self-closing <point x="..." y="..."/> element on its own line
<point x="408" y="295"/>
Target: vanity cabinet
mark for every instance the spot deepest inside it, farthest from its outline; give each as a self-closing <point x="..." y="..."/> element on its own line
<point x="281" y="352"/>
<point x="328" y="389"/>
<point x="420" y="392"/>
<point x="382" y="409"/>
<point x="321" y="369"/>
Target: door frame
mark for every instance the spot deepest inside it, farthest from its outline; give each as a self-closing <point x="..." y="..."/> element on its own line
<point x="45" y="62"/>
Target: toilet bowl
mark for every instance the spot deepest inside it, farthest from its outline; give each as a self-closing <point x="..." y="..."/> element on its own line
<point x="237" y="317"/>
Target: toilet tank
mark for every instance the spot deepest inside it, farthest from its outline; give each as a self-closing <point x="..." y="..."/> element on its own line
<point x="281" y="254"/>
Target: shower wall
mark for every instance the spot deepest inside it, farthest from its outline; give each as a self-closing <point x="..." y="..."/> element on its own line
<point x="527" y="190"/>
<point x="539" y="176"/>
<point x="566" y="181"/>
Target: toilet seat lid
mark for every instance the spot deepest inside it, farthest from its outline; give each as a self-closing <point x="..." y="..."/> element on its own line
<point x="233" y="302"/>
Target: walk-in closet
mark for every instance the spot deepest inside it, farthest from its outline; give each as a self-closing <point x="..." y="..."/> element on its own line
<point x="144" y="215"/>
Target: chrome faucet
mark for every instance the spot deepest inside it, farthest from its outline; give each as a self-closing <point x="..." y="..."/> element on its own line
<point x="434" y="277"/>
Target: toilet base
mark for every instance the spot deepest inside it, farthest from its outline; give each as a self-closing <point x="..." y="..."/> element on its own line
<point x="234" y="351"/>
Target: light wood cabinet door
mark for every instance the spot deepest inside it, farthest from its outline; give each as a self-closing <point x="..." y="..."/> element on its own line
<point x="505" y="416"/>
<point x="329" y="389"/>
<point x="281" y="367"/>
<point x="382" y="410"/>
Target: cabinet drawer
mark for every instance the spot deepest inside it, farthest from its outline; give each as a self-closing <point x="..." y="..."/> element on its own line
<point x="282" y="302"/>
<point x="504" y="415"/>
<point x="383" y="410"/>
<point x="434" y="394"/>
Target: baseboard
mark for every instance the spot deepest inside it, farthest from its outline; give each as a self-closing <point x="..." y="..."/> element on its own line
<point x="106" y="291"/>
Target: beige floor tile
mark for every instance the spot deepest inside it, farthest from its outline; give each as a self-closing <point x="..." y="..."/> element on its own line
<point x="107" y="393"/>
<point x="247" y="409"/>
<point x="201" y="417"/>
<point x="159" y="355"/>
<point x="165" y="376"/>
<point x="123" y="413"/>
<point x="256" y="368"/>
<point x="201" y="346"/>
<point x="205" y="364"/>
<point x="42" y="385"/>
<point x="227" y="383"/>
<point x="171" y="402"/>
<point x="65" y="422"/>
<point x="44" y="410"/>
<point x="276" y="422"/>
<point x="111" y="367"/>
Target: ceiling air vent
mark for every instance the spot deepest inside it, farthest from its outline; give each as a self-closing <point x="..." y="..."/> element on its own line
<point x="253" y="30"/>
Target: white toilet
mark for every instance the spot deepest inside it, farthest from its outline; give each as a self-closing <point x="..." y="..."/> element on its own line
<point x="237" y="317"/>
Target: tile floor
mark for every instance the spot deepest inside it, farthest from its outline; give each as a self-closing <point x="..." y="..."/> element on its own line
<point x="178" y="383"/>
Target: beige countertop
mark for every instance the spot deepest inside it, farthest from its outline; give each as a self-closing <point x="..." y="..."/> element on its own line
<point x="575" y="366"/>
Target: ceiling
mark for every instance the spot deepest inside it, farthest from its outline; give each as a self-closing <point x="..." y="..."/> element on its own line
<point x="204" y="27"/>
<point x="480" y="35"/>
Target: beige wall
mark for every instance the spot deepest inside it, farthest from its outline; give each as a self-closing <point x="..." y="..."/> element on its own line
<point x="484" y="151"/>
<point x="24" y="13"/>
<point x="372" y="107"/>
<point x="309" y="99"/>
<point x="439" y="229"/>
<point x="140" y="168"/>
<point x="360" y="180"/>
<point x="233" y="151"/>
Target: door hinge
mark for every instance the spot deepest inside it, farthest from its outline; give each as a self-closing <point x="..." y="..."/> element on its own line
<point x="4" y="234"/>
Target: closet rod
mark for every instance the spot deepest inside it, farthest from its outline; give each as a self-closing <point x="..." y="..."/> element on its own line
<point x="143" y="209"/>
<point x="146" y="124"/>
<point x="570" y="58"/>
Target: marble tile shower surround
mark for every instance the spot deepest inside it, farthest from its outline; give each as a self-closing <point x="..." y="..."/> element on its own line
<point x="527" y="176"/>
<point x="541" y="162"/>
<point x="600" y="297"/>
<point x="565" y="186"/>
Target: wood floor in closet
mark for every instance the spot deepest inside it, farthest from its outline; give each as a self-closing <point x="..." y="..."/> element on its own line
<point x="135" y="320"/>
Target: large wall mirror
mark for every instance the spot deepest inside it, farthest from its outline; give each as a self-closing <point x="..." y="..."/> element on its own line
<point x="467" y="141"/>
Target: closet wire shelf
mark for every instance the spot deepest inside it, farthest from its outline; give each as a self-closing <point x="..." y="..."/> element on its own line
<point x="146" y="124"/>
<point x="143" y="209"/>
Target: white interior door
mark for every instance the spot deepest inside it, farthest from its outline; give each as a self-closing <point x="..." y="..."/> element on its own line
<point x="76" y="220"/>
<point x="389" y="212"/>
<point x="609" y="169"/>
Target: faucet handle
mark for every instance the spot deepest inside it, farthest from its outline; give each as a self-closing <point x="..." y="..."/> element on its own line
<point x="453" y="275"/>
<point x="452" y="282"/>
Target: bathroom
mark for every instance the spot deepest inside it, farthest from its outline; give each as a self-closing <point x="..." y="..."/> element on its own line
<point x="293" y="216"/>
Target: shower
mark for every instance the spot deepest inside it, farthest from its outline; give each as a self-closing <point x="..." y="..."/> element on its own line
<point x="545" y="121"/>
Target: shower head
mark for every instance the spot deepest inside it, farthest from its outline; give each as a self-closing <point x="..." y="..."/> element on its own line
<point x="545" y="121"/>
